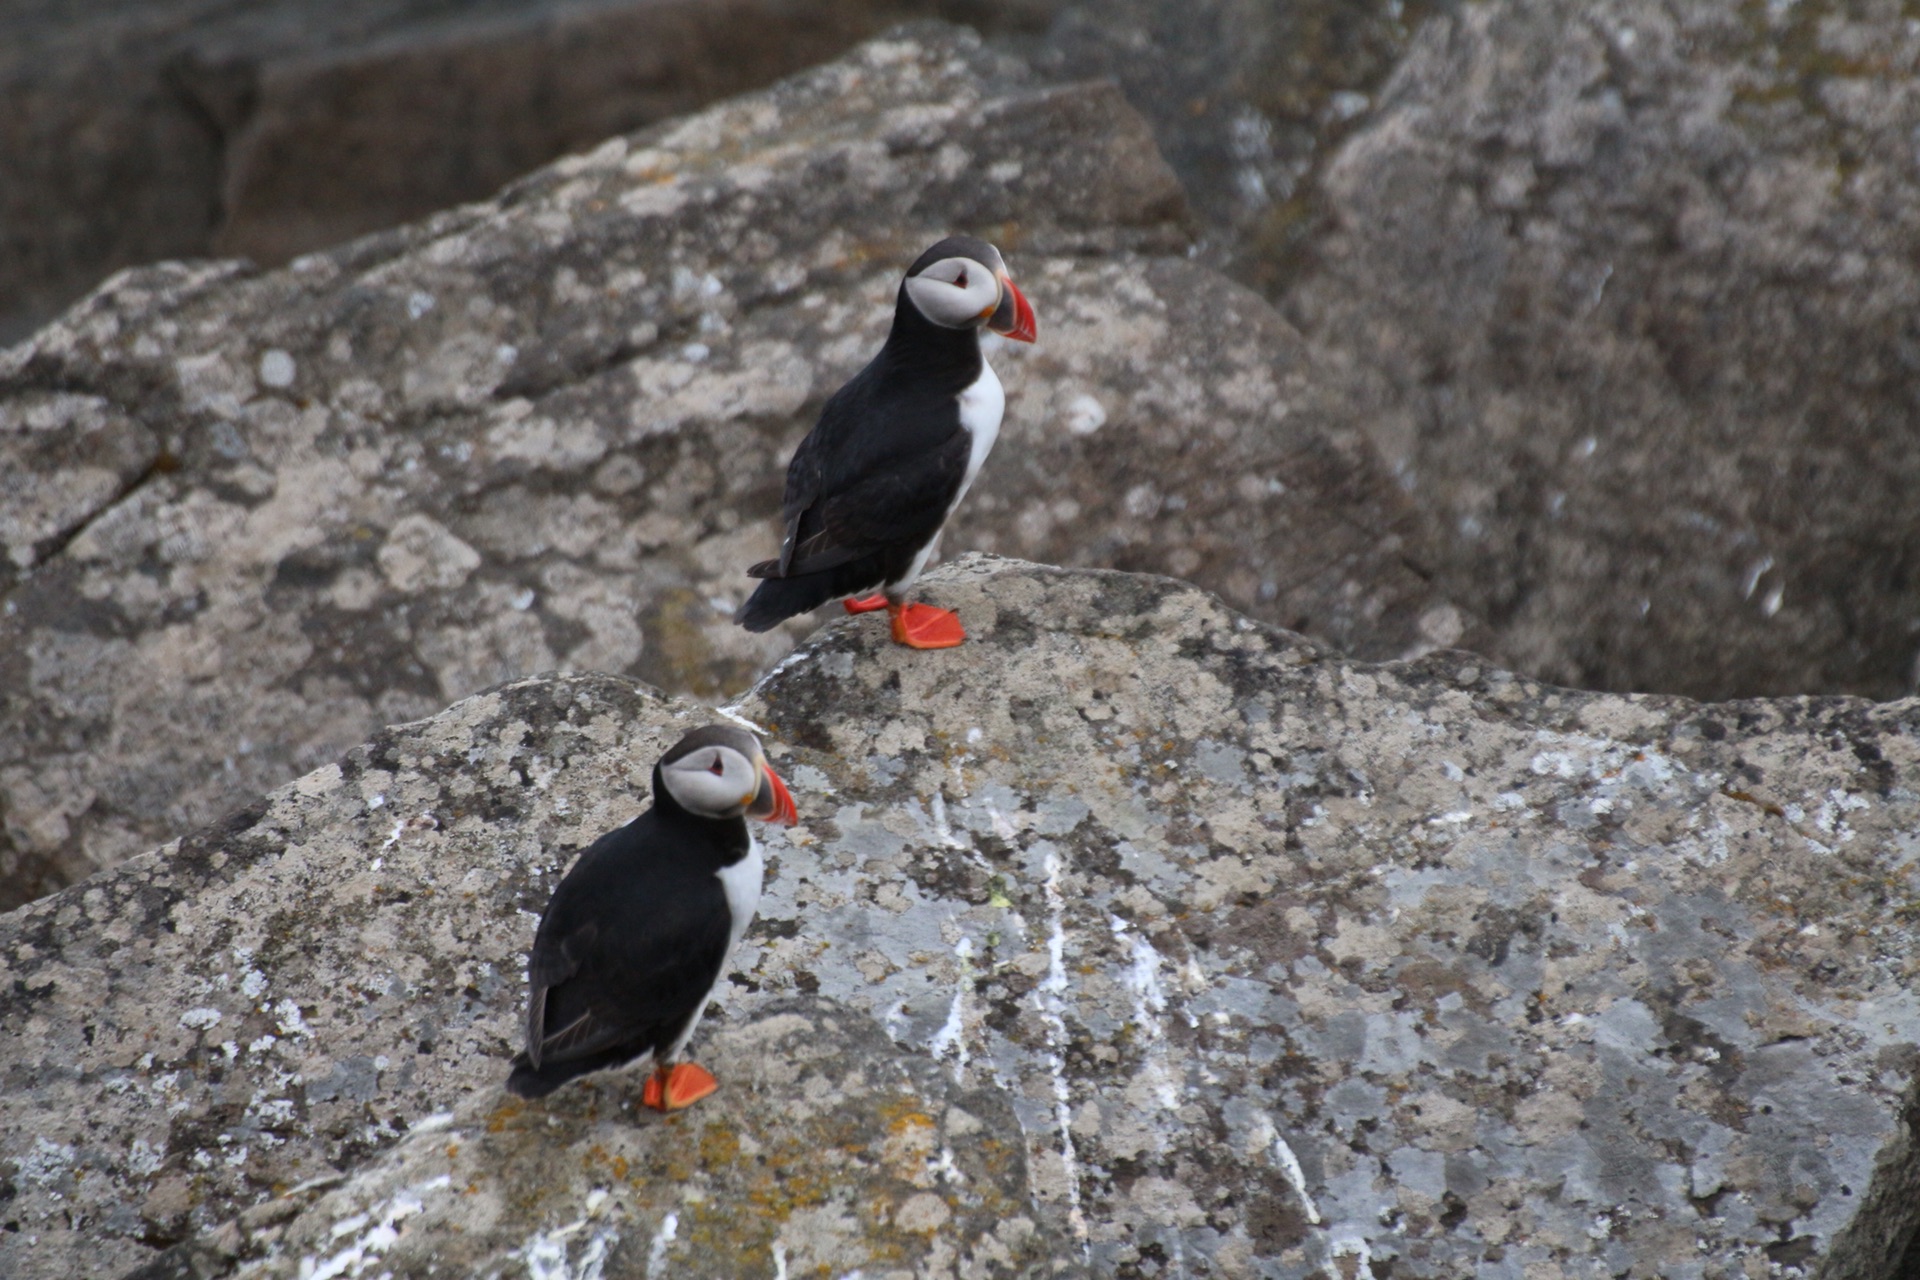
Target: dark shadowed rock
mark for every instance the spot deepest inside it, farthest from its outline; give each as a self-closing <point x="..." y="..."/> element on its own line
<point x="143" y="129"/>
<point x="1289" y="965"/>
<point x="1625" y="292"/>
<point x="450" y="111"/>
<point x="549" y="431"/>
<point x="1245" y="97"/>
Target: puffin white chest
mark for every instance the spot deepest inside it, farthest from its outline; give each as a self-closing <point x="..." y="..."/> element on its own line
<point x="741" y="883"/>
<point x="981" y="406"/>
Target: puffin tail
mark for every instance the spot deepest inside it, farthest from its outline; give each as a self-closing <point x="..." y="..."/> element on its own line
<point x="529" y="1081"/>
<point x="777" y="599"/>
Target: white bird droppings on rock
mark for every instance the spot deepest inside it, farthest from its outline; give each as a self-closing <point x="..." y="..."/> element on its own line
<point x="1085" y="415"/>
<point x="276" y="368"/>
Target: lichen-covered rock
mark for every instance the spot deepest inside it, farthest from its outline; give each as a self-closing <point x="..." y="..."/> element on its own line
<point x="132" y="130"/>
<point x="829" y="1150"/>
<point x="1292" y="965"/>
<point x="336" y="142"/>
<point x="1299" y="966"/>
<point x="1625" y="291"/>
<point x="277" y="996"/>
<point x="549" y="431"/>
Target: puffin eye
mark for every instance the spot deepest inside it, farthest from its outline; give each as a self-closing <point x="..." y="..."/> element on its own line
<point x="716" y="768"/>
<point x="960" y="281"/>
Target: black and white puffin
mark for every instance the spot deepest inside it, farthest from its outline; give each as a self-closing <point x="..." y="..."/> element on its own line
<point x="895" y="450"/>
<point x="637" y="935"/>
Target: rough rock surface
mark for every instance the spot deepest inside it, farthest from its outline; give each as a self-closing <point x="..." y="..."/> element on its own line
<point x="1626" y="293"/>
<point x="142" y="129"/>
<point x="549" y="430"/>
<point x="1246" y="99"/>
<point x="1291" y="965"/>
<point x="451" y="110"/>
<point x="828" y="1151"/>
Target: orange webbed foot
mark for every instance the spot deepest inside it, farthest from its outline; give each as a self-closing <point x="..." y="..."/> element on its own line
<point x="921" y="626"/>
<point x="671" y="1088"/>
<point x="864" y="604"/>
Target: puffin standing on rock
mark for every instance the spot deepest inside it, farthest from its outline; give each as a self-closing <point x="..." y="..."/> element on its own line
<point x="895" y="450"/>
<point x="634" y="940"/>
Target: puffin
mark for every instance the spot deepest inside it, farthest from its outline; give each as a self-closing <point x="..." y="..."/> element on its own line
<point x="895" y="450"/>
<point x="637" y="934"/>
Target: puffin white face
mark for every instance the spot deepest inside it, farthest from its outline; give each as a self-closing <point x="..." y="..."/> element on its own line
<point x="714" y="782"/>
<point x="719" y="772"/>
<point x="956" y="293"/>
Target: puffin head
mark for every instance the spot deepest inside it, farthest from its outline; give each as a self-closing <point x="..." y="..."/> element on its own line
<point x="962" y="283"/>
<point x="720" y="772"/>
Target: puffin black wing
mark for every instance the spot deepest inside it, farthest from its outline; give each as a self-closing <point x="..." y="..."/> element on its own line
<point x="602" y="996"/>
<point x="902" y="504"/>
<point x="859" y="505"/>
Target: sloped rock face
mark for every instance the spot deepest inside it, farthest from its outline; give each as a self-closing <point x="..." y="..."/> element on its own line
<point x="276" y="997"/>
<point x="450" y="110"/>
<point x="549" y="431"/>
<point x="1287" y="964"/>
<point x="1623" y="291"/>
<point x="828" y="1150"/>
<point x="144" y="129"/>
<point x="1297" y="965"/>
<point x="1246" y="98"/>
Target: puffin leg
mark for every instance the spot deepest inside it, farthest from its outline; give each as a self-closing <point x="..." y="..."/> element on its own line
<point x="921" y="626"/>
<point x="671" y="1088"/>
<point x="864" y="604"/>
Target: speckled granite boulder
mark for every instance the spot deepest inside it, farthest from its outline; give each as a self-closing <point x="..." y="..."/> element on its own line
<point x="830" y="1150"/>
<point x="1246" y="97"/>
<point x="1625" y="291"/>
<point x="132" y="130"/>
<point x="275" y="511"/>
<point x="1289" y="965"/>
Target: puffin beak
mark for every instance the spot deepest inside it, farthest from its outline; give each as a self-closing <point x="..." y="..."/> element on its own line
<point x="1013" y="318"/>
<point x="772" y="802"/>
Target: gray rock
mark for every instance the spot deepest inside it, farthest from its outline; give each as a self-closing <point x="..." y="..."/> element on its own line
<point x="451" y="110"/>
<point x="549" y="431"/>
<point x="143" y="129"/>
<point x="1290" y="964"/>
<point x="275" y="998"/>
<point x="829" y="1150"/>
<point x="1625" y="293"/>
<point x="1246" y="99"/>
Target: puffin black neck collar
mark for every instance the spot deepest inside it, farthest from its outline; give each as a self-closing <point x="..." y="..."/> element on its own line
<point x="929" y="351"/>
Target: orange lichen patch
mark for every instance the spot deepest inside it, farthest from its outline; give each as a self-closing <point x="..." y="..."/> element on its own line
<point x="505" y="1114"/>
<point x="904" y="1114"/>
<point x="793" y="1178"/>
<point x="453" y="1149"/>
<point x="719" y="1145"/>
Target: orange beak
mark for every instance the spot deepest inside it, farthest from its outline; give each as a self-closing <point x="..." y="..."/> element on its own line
<point x="1013" y="318"/>
<point x="773" y="802"/>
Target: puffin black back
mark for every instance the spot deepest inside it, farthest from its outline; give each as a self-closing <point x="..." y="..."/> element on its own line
<point x="637" y="933"/>
<point x="895" y="450"/>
